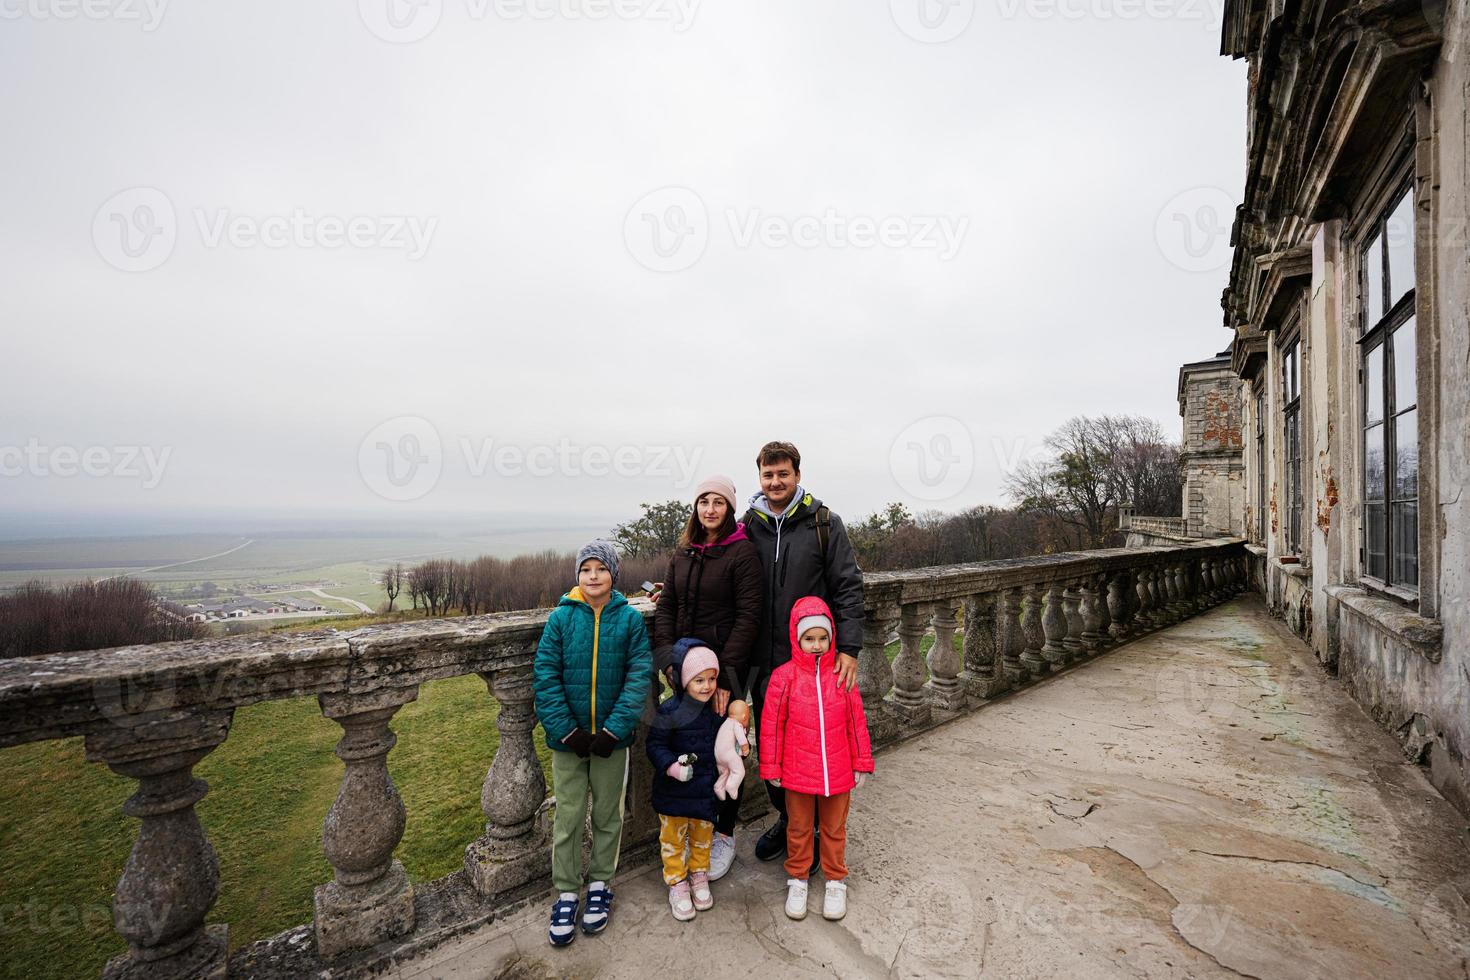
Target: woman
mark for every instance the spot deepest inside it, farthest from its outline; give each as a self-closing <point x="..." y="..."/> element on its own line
<point x="713" y="591"/>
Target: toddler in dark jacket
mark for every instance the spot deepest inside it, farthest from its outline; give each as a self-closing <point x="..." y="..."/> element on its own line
<point x="681" y="745"/>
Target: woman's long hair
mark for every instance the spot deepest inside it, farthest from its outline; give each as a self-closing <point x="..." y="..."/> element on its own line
<point x="694" y="531"/>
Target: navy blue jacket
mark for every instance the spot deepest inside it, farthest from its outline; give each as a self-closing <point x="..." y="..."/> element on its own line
<point x="682" y="725"/>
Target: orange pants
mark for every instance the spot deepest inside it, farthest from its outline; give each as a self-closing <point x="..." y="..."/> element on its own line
<point x="830" y="812"/>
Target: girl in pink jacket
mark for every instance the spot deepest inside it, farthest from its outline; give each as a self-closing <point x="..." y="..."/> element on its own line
<point x="814" y="744"/>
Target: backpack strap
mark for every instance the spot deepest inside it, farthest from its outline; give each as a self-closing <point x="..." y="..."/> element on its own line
<point x="824" y="530"/>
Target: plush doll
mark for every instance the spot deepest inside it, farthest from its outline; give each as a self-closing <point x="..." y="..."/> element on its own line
<point x="731" y="746"/>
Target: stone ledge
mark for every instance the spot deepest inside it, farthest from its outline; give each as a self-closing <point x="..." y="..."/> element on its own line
<point x="1425" y="636"/>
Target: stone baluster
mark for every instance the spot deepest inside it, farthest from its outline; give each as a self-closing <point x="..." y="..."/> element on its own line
<point x="1119" y="608"/>
<point x="984" y="675"/>
<point x="1094" y="633"/>
<point x="1168" y="594"/>
<point x="1143" y="616"/>
<point x="171" y="878"/>
<point x="1031" y="630"/>
<point x="908" y="699"/>
<point x="1239" y="573"/>
<point x="1199" y="601"/>
<point x="944" y="689"/>
<point x="1207" y="581"/>
<point x="875" y="674"/>
<point x="1217" y="579"/>
<point x="1013" y="640"/>
<point x="1054" y="625"/>
<point x="1072" y="608"/>
<point x="513" y="849"/>
<point x="370" y="898"/>
<point x="1186" y="594"/>
<point x="1163" y="616"/>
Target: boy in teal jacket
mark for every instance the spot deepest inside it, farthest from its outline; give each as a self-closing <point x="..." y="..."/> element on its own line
<point x="593" y="673"/>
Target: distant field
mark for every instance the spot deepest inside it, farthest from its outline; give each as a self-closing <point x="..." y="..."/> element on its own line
<point x="353" y="561"/>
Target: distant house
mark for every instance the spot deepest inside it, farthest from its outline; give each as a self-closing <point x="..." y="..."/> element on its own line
<point x="302" y="605"/>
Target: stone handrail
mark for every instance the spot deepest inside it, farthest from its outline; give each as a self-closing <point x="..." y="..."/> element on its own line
<point x="1171" y="527"/>
<point x="153" y="712"/>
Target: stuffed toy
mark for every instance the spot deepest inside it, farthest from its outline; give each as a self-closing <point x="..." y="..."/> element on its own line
<point x="732" y="744"/>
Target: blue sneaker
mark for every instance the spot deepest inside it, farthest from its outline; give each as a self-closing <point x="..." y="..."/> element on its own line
<point x="564" y="920"/>
<point x="599" y="908"/>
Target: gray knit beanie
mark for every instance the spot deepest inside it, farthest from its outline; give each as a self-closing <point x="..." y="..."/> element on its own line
<point x="604" y="551"/>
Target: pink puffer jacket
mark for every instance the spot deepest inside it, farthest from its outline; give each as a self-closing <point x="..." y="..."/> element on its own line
<point x="814" y="734"/>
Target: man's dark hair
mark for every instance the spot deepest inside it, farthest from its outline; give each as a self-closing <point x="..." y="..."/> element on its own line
<point x="773" y="452"/>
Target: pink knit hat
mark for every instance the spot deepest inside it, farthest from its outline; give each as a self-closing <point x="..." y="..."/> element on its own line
<point x="720" y="484"/>
<point x="697" y="661"/>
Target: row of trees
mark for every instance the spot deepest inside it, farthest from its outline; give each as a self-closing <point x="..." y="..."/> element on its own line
<point x="487" y="584"/>
<point x="38" y="618"/>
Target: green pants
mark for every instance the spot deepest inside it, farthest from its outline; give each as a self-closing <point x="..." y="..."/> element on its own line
<point x="572" y="777"/>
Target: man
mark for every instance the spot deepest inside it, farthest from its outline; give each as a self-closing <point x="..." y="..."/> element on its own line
<point x="804" y="550"/>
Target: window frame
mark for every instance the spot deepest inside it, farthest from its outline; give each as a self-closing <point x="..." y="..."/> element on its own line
<point x="1372" y="337"/>
<point x="1290" y="350"/>
<point x="1262" y="462"/>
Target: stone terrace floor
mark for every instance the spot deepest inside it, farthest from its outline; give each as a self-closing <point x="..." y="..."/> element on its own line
<point x="1204" y="802"/>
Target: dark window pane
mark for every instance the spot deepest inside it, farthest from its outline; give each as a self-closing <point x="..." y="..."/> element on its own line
<point x="1405" y="543"/>
<point x="1373" y="281"/>
<point x="1405" y="366"/>
<point x="1400" y="238"/>
<point x="1373" y="540"/>
<point x="1373" y="385"/>
<point x="1373" y="463"/>
<point x="1406" y="456"/>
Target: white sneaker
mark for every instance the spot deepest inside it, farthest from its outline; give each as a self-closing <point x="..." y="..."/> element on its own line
<point x="795" y="898"/>
<point x="721" y="856"/>
<point x="834" y="903"/>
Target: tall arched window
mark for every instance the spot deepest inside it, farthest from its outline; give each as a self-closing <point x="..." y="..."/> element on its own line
<point x="1390" y="399"/>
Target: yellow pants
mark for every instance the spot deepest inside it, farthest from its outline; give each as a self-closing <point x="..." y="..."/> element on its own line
<point x="684" y="843"/>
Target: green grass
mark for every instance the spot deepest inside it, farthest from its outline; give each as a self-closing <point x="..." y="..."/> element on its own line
<point x="64" y="838"/>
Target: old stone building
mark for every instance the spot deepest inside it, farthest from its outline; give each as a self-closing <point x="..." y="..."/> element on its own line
<point x="1347" y="298"/>
<point x="1214" y="471"/>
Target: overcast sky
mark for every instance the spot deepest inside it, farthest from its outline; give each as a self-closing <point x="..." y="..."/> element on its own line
<point x="552" y="257"/>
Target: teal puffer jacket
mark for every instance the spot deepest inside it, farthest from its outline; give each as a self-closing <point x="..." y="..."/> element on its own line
<point x="593" y="670"/>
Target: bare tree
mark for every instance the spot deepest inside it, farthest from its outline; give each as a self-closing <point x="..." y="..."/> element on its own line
<point x="1093" y="464"/>
<point x="392" y="581"/>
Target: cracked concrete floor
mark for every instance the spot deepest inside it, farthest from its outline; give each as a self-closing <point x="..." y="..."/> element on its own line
<point x="1203" y="802"/>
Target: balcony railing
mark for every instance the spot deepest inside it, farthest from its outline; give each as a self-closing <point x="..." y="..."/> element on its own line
<point x="151" y="713"/>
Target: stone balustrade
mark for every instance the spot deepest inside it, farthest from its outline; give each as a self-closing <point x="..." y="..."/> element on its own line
<point x="151" y="713"/>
